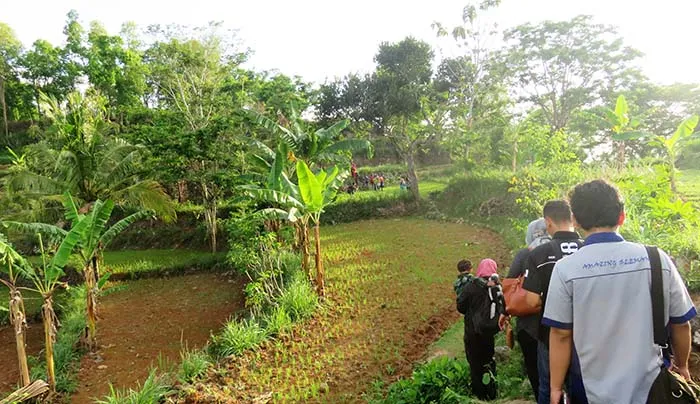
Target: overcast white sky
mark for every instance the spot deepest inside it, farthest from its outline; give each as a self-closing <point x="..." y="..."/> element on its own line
<point x="319" y="39"/>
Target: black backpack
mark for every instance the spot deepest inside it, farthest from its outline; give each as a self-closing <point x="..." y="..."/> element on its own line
<point x="485" y="312"/>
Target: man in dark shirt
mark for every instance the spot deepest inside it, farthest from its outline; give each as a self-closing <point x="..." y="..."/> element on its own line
<point x="541" y="260"/>
<point x="527" y="327"/>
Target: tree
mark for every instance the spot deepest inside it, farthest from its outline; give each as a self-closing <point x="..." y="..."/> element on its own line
<point x="10" y="261"/>
<point x="116" y="71"/>
<point x="187" y="74"/>
<point x="474" y="83"/>
<point x="563" y="66"/>
<point x="44" y="68"/>
<point x="77" y="155"/>
<point x="10" y="50"/>
<point x="408" y="111"/>
<point x="46" y="280"/>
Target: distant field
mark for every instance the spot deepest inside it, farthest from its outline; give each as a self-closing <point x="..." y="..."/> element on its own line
<point x="689" y="185"/>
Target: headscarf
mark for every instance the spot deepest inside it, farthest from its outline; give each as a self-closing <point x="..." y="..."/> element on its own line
<point x="486" y="268"/>
<point x="538" y="242"/>
<point x="536" y="229"/>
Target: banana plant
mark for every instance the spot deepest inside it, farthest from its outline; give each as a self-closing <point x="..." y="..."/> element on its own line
<point x="670" y="145"/>
<point x="46" y="280"/>
<point x="623" y="126"/>
<point x="317" y="192"/>
<point x="93" y="242"/>
<point x="11" y="263"/>
<point x="91" y="246"/>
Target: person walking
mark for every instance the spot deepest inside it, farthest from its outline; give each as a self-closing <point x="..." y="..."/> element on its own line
<point x="540" y="264"/>
<point x="527" y="327"/>
<point x="599" y="309"/>
<point x="481" y="305"/>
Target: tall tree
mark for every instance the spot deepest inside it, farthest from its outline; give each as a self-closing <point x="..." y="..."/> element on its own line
<point x="407" y="109"/>
<point x="188" y="71"/>
<point x="10" y="50"/>
<point x="563" y="66"/>
<point x="474" y="82"/>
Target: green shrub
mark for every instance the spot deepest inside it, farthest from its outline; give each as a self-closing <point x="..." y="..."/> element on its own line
<point x="369" y="205"/>
<point x="442" y="380"/>
<point x="236" y="337"/>
<point x="277" y="321"/>
<point x="299" y="299"/>
<point x="193" y="365"/>
<point x="152" y="391"/>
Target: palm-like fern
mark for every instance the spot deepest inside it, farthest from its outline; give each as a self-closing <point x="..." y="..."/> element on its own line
<point x="77" y="156"/>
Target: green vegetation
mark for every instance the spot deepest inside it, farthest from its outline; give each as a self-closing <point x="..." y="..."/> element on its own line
<point x="154" y="388"/>
<point x="137" y="262"/>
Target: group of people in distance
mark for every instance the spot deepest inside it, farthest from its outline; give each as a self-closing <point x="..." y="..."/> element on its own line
<point x="591" y="337"/>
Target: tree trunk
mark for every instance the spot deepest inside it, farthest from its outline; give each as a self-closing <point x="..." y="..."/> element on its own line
<point x="621" y="154"/>
<point x="412" y="176"/>
<point x="305" y="256"/>
<point x="672" y="176"/>
<point x="515" y="155"/>
<point x="4" y="110"/>
<point x="91" y="295"/>
<point x="49" y="317"/>
<point x="19" y="322"/>
<point x="182" y="191"/>
<point x="210" y="215"/>
<point x="320" y="282"/>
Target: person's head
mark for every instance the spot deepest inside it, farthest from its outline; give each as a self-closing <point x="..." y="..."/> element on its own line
<point x="486" y="268"/>
<point x="557" y="216"/>
<point x="597" y="206"/>
<point x="464" y="266"/>
<point x="535" y="230"/>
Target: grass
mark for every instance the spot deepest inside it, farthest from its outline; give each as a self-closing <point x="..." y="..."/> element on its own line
<point x="153" y="389"/>
<point x="139" y="261"/>
<point x="385" y="280"/>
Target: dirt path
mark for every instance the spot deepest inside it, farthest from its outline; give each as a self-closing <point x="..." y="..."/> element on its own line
<point x="389" y="283"/>
<point x="150" y="318"/>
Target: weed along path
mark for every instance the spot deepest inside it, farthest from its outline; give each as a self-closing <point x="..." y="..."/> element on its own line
<point x="151" y="320"/>
<point x="389" y="285"/>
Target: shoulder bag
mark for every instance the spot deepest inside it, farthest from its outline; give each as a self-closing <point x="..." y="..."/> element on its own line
<point x="669" y="387"/>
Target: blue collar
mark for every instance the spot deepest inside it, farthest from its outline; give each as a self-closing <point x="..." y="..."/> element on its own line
<point x="607" y="237"/>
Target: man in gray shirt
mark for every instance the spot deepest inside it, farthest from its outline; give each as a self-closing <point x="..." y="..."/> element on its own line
<point x="599" y="309"/>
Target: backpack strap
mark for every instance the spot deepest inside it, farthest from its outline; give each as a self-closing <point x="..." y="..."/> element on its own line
<point x="657" y="296"/>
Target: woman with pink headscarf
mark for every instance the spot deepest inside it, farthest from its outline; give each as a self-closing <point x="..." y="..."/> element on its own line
<point x="481" y="302"/>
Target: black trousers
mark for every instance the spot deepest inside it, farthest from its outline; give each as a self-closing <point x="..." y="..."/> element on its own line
<point x="528" y="345"/>
<point x="480" y="350"/>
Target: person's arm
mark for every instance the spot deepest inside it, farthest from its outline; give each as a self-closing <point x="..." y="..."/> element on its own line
<point x="560" y="348"/>
<point x="681" y="341"/>
<point x="559" y="317"/>
<point x="463" y="301"/>
<point x="533" y="284"/>
<point x="517" y="267"/>
<point x="681" y="311"/>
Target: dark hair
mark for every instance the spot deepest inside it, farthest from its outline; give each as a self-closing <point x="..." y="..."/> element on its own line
<point x="464" y="265"/>
<point x="559" y="211"/>
<point x="596" y="204"/>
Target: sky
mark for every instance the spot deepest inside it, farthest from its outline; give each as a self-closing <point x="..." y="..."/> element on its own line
<point x="323" y="39"/>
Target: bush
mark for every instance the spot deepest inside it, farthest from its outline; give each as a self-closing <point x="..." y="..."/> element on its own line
<point x="442" y="380"/>
<point x="152" y="391"/>
<point x="299" y="299"/>
<point x="194" y="364"/>
<point x="369" y="205"/>
<point x="236" y="337"/>
<point x="277" y="321"/>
